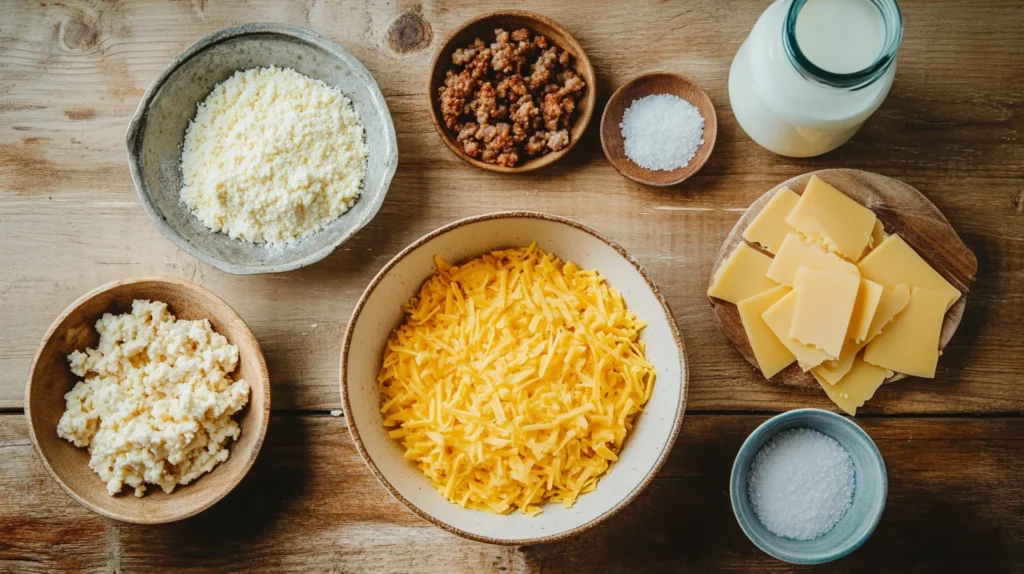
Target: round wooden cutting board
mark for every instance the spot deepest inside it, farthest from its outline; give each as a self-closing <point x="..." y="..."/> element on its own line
<point x="903" y="210"/>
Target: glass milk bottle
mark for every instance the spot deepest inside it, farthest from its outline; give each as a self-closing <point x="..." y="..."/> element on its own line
<point x="811" y="72"/>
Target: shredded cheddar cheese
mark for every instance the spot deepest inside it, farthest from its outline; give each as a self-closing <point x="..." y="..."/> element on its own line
<point x="514" y="380"/>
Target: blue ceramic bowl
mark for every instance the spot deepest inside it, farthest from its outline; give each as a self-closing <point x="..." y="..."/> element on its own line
<point x="868" y="498"/>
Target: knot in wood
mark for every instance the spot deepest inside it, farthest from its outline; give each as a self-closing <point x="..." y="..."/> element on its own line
<point x="77" y="35"/>
<point x="409" y="32"/>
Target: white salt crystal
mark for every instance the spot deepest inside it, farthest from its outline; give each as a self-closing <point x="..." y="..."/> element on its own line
<point x="662" y="131"/>
<point x="801" y="484"/>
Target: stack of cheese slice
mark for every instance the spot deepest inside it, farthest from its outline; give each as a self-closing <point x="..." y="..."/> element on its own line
<point x="838" y="296"/>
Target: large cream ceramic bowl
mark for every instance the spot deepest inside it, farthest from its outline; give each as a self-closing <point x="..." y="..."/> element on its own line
<point x="379" y="312"/>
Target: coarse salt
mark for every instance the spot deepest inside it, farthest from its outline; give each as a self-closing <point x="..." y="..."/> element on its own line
<point x="662" y="132"/>
<point x="801" y="483"/>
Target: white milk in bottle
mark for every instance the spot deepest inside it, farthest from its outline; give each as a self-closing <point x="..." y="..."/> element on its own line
<point x="811" y="72"/>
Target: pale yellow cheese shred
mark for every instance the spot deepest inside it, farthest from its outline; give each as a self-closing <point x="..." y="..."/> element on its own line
<point x="514" y="380"/>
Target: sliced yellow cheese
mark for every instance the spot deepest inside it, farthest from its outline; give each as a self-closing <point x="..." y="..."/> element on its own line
<point x="824" y="305"/>
<point x="890" y="303"/>
<point x="856" y="387"/>
<point x="864" y="309"/>
<point x="795" y="253"/>
<point x="769" y="228"/>
<point x="894" y="262"/>
<point x="742" y="275"/>
<point x="878" y="235"/>
<point x="911" y="344"/>
<point x="772" y="356"/>
<point x="833" y="371"/>
<point x="779" y="318"/>
<point x="828" y="215"/>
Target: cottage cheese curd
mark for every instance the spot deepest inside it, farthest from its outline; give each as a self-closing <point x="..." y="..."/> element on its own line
<point x="272" y="156"/>
<point x="156" y="401"/>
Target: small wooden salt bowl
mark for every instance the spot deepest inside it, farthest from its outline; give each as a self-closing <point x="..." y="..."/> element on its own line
<point x="646" y="85"/>
<point x="50" y="378"/>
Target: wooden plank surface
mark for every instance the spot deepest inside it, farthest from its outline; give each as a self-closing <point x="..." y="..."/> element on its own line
<point x="955" y="503"/>
<point x="953" y="485"/>
<point x="72" y="72"/>
<point x="41" y="528"/>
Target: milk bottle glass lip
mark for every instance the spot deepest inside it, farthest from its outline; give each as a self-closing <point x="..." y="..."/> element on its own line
<point x="893" y="20"/>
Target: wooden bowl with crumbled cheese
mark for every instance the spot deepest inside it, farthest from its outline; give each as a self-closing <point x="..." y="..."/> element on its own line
<point x="373" y="352"/>
<point x="252" y="184"/>
<point x="56" y="410"/>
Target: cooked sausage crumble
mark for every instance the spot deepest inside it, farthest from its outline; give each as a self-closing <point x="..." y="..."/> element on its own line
<point x="512" y="99"/>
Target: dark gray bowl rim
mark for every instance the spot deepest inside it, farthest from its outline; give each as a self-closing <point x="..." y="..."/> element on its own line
<point x="136" y="129"/>
<point x="767" y="427"/>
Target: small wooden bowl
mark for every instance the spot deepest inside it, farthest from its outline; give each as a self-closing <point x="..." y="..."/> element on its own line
<point x="646" y="85"/>
<point x="483" y="27"/>
<point x="50" y="378"/>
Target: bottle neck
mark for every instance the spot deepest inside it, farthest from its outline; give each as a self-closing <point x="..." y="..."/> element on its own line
<point x="893" y="35"/>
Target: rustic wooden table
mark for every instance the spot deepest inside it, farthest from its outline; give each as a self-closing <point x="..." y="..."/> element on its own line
<point x="71" y="74"/>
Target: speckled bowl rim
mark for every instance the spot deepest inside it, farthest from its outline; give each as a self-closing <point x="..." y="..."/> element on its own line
<point x="745" y="453"/>
<point x="666" y="448"/>
<point x="229" y="486"/>
<point x="136" y="129"/>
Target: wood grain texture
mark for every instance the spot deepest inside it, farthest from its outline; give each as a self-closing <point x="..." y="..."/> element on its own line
<point x="902" y="210"/>
<point x="71" y="74"/>
<point x="952" y="487"/>
<point x="41" y="529"/>
<point x="310" y="505"/>
<point x="614" y="145"/>
<point x="50" y="379"/>
<point x="307" y="506"/>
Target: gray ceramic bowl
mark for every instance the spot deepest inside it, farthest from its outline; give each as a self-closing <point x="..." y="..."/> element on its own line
<point x="856" y="525"/>
<point x="157" y="131"/>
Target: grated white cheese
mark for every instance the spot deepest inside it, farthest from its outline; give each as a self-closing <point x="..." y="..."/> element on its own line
<point x="272" y="156"/>
<point x="156" y="401"/>
<point x="662" y="132"/>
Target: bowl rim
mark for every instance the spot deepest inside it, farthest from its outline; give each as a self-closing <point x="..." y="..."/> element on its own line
<point x="137" y="129"/>
<point x="767" y="427"/>
<point x="229" y="485"/>
<point x="354" y="432"/>
<point x="690" y="170"/>
<point x="586" y="111"/>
